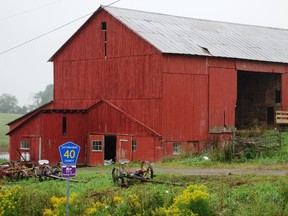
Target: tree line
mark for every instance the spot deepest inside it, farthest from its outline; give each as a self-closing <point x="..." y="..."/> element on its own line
<point x="9" y="103"/>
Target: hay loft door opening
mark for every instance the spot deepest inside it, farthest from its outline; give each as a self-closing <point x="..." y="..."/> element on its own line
<point x="258" y="96"/>
<point x="110" y="148"/>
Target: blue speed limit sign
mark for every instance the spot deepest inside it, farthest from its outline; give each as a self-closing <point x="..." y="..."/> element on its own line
<point x="69" y="153"/>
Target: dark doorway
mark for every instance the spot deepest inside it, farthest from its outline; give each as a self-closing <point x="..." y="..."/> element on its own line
<point x="258" y="95"/>
<point x="110" y="148"/>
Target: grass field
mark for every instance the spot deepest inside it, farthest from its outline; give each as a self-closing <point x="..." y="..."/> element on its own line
<point x="95" y="194"/>
<point x="4" y="119"/>
<point x="204" y="195"/>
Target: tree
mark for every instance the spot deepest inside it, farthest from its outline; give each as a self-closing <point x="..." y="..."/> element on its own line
<point x="43" y="97"/>
<point x="8" y="104"/>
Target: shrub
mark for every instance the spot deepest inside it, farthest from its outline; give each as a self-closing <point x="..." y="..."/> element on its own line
<point x="194" y="200"/>
<point x="9" y="201"/>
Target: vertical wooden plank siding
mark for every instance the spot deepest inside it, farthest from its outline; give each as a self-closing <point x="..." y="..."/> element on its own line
<point x="146" y="149"/>
<point x="185" y="90"/>
<point x="222" y="99"/>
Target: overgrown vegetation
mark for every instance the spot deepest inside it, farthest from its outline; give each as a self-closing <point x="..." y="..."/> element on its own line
<point x="206" y="195"/>
<point x="267" y="149"/>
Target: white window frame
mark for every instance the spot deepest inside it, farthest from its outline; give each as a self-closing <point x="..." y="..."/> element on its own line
<point x="24" y="144"/>
<point x="176" y="148"/>
<point x="98" y="145"/>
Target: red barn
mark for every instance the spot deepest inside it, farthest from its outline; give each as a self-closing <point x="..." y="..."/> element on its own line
<point x="144" y="86"/>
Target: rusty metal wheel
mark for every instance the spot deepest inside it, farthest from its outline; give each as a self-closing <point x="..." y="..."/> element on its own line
<point x="147" y="169"/>
<point x="117" y="177"/>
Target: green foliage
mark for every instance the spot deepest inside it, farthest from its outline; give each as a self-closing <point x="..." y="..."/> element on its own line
<point x="8" y="103"/>
<point x="4" y="119"/>
<point x="205" y="195"/>
<point x="43" y="97"/>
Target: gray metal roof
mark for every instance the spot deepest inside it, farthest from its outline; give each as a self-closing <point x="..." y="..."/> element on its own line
<point x="182" y="35"/>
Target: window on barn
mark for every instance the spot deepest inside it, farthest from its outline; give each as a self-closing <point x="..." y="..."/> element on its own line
<point x="176" y="148"/>
<point x="96" y="145"/>
<point x="24" y="144"/>
<point x="134" y="145"/>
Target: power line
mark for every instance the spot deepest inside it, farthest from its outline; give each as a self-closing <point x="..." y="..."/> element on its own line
<point x="30" y="10"/>
<point x="40" y="36"/>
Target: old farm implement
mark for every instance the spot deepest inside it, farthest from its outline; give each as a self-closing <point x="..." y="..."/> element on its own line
<point x="121" y="174"/>
<point x="15" y="171"/>
<point x="44" y="171"/>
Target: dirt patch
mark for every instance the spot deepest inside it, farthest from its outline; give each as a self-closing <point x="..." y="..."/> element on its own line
<point x="217" y="171"/>
<point x="199" y="171"/>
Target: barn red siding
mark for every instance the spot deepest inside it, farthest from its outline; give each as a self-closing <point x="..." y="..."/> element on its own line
<point x="122" y="78"/>
<point x="89" y="45"/>
<point x="148" y="148"/>
<point x="222" y="99"/>
<point x="24" y="133"/>
<point x="105" y="119"/>
<point x="185" y="90"/>
<point x="76" y="131"/>
<point x="44" y="133"/>
<point x="257" y="66"/>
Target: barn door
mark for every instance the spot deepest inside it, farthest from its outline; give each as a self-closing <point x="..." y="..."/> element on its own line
<point x="124" y="148"/>
<point x="95" y="151"/>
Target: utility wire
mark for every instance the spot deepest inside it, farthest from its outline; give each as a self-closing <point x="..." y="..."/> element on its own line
<point x="33" y="39"/>
<point x="30" y="10"/>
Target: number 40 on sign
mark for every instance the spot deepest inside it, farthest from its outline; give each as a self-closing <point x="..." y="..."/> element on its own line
<point x="69" y="153"/>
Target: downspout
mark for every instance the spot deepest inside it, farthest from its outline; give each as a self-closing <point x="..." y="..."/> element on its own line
<point x="40" y="148"/>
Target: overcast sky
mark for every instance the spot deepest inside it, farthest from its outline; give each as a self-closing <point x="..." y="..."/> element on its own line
<point x="25" y="70"/>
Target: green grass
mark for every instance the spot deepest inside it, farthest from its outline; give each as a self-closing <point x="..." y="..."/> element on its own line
<point x="4" y="119"/>
<point x="229" y="194"/>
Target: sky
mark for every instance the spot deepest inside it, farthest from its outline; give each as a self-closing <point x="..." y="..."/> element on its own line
<point x="31" y="31"/>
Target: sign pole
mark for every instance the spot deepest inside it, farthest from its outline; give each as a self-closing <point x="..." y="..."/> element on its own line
<point x="67" y="194"/>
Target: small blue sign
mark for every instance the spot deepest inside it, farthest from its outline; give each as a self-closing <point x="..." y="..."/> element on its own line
<point x="69" y="153"/>
<point x="69" y="171"/>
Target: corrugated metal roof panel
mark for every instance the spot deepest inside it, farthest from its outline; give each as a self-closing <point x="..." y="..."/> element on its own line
<point x="181" y="35"/>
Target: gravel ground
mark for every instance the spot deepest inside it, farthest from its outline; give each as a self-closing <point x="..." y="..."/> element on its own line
<point x="217" y="171"/>
<point x="201" y="171"/>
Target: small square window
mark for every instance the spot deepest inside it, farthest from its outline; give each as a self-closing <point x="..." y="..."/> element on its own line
<point x="176" y="148"/>
<point x="134" y="145"/>
<point x="24" y="144"/>
<point x="96" y="145"/>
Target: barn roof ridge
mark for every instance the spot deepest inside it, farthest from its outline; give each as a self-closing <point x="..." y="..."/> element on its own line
<point x="193" y="18"/>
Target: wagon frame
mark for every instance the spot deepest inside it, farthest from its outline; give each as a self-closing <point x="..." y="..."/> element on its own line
<point x="123" y="172"/>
